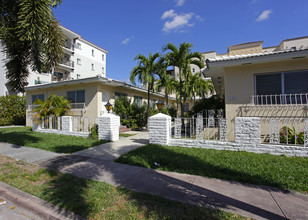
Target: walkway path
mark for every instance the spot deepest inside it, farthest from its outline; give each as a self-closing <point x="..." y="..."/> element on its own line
<point x="255" y="201"/>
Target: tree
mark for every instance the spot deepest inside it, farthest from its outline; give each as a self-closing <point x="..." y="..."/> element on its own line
<point x="146" y="73"/>
<point x="199" y="86"/>
<point x="166" y="81"/>
<point x="181" y="58"/>
<point x="54" y="105"/>
<point x="31" y="37"/>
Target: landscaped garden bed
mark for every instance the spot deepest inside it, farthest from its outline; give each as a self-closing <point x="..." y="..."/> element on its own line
<point x="24" y="136"/>
<point x="264" y="169"/>
<point x="97" y="200"/>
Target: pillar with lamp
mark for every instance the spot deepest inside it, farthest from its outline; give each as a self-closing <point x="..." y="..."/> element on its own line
<point x="108" y="106"/>
<point x="160" y="104"/>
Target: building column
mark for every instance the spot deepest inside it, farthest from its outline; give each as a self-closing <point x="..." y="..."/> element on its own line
<point x="247" y="130"/>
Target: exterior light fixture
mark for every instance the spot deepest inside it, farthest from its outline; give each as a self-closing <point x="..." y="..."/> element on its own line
<point x="108" y="106"/>
<point x="160" y="104"/>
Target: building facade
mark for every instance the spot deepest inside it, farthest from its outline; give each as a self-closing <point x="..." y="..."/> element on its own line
<point x="81" y="59"/>
<point x="270" y="83"/>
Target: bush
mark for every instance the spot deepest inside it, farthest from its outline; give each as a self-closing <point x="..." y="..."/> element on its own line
<point x="288" y="134"/>
<point x="94" y="132"/>
<point x="214" y="102"/>
<point x="12" y="110"/>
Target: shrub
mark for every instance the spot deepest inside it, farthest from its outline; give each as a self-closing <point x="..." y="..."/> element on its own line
<point x="288" y="135"/>
<point x="12" y="110"/>
<point x="94" y="132"/>
<point x="214" y="102"/>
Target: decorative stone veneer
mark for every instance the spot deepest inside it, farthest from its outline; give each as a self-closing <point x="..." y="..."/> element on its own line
<point x="160" y="129"/>
<point x="108" y="127"/>
<point x="247" y="132"/>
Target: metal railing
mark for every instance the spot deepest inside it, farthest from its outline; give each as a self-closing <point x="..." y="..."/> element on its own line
<point x="199" y="128"/>
<point x="280" y="100"/>
<point x="78" y="105"/>
<point x="68" y="63"/>
<point x="285" y="131"/>
<point x="69" y="46"/>
<point x="51" y="122"/>
<point x="83" y="124"/>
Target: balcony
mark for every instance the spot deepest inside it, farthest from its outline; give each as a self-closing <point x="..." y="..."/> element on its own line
<point x="280" y="100"/>
<point x="74" y="106"/>
<point x="69" y="48"/>
<point x="67" y="65"/>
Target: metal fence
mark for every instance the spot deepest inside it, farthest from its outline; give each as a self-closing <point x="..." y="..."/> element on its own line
<point x="200" y="128"/>
<point x="51" y="122"/>
<point x="83" y="124"/>
<point x="286" y="131"/>
<point x="281" y="99"/>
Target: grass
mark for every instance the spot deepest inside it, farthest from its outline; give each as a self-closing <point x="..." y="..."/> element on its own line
<point x="98" y="200"/>
<point x="24" y="136"/>
<point x="126" y="135"/>
<point x="264" y="169"/>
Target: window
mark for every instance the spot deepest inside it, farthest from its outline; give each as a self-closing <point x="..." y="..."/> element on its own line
<point x="103" y="70"/>
<point x="118" y="95"/>
<point x="92" y="66"/>
<point x="93" y="53"/>
<point x="77" y="96"/>
<point x="78" y="76"/>
<point x="138" y="100"/>
<point x="288" y="86"/>
<point x="186" y="107"/>
<point x="193" y="70"/>
<point x="78" y="61"/>
<point x="103" y="56"/>
<point x="78" y="46"/>
<point x="37" y="97"/>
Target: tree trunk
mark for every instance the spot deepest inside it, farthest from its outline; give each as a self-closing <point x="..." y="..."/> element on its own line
<point x="148" y="114"/>
<point x="166" y="98"/>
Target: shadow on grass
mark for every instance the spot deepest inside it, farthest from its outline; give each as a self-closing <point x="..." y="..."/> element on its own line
<point x="21" y="138"/>
<point x="167" y="159"/>
<point x="69" y="192"/>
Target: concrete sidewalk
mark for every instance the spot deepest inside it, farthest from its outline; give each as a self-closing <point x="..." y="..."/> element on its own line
<point x="249" y="200"/>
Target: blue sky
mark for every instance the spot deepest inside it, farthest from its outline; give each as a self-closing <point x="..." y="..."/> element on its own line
<point x="126" y="28"/>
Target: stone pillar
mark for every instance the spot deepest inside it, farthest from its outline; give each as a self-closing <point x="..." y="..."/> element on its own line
<point x="247" y="130"/>
<point x="67" y="124"/>
<point x="108" y="127"/>
<point x="160" y="129"/>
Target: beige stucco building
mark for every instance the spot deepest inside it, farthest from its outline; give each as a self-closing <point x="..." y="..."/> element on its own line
<point x="267" y="82"/>
<point x="88" y="96"/>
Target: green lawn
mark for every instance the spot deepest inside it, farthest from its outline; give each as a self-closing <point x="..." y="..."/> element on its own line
<point x="24" y="136"/>
<point x="97" y="200"/>
<point x="264" y="169"/>
<point x="126" y="135"/>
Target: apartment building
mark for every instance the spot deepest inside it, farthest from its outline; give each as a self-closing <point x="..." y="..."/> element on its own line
<point x="82" y="59"/>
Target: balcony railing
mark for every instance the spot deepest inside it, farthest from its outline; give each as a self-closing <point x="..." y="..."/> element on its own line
<point x="69" y="46"/>
<point x="68" y="63"/>
<point x="280" y="100"/>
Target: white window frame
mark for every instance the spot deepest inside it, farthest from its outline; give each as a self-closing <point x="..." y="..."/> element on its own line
<point x="78" y="61"/>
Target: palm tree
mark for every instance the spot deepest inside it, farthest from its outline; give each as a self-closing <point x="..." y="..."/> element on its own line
<point x="54" y="105"/>
<point x="181" y="58"/>
<point x="31" y="38"/>
<point x="145" y="72"/>
<point x="166" y="81"/>
<point x="199" y="86"/>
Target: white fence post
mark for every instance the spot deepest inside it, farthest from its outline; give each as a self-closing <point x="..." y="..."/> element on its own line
<point x="248" y="130"/>
<point x="67" y="124"/>
<point x="108" y="127"/>
<point x="159" y="129"/>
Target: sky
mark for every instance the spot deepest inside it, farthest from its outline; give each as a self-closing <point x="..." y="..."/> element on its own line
<point x="126" y="28"/>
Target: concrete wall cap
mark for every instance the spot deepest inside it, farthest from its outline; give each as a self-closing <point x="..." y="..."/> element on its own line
<point x="160" y="115"/>
<point x="109" y="116"/>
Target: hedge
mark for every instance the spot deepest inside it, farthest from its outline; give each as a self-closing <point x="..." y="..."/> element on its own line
<point x="12" y="110"/>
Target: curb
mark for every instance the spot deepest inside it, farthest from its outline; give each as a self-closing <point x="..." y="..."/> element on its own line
<point x="36" y="205"/>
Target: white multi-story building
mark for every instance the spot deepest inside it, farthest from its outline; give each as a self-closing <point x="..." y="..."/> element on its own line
<point x="81" y="59"/>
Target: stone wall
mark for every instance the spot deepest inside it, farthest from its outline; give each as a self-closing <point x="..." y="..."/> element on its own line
<point x="247" y="138"/>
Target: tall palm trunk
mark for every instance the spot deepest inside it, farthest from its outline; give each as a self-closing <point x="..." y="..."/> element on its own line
<point x="148" y="113"/>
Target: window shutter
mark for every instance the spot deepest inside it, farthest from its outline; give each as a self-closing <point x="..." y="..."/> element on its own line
<point x="296" y="82"/>
<point x="268" y="84"/>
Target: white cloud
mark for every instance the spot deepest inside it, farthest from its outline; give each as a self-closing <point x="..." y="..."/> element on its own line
<point x="127" y="40"/>
<point x="264" y="15"/>
<point x="176" y="21"/>
<point x="179" y="2"/>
